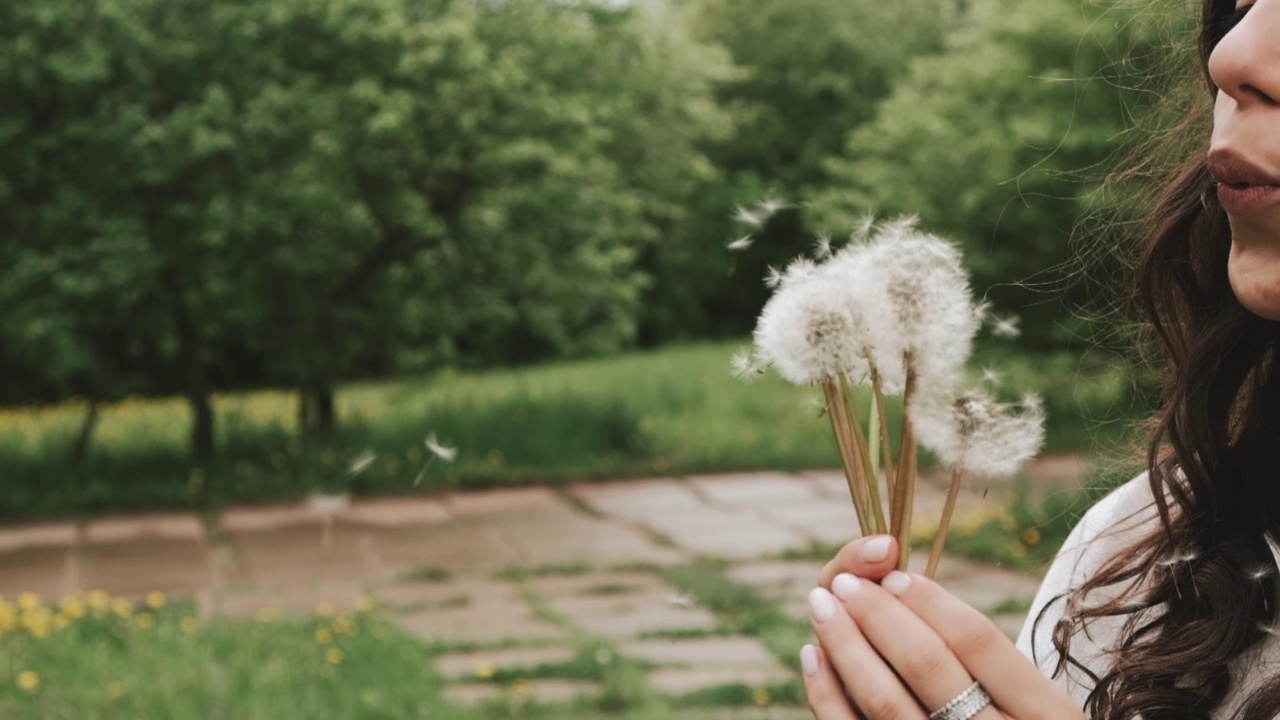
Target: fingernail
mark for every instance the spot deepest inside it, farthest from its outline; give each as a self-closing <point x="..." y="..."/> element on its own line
<point x="875" y="550"/>
<point x="896" y="582"/>
<point x="809" y="660"/>
<point x="845" y="586"/>
<point x="822" y="604"/>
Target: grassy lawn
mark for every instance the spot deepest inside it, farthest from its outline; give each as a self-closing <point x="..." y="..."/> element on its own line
<point x="676" y="410"/>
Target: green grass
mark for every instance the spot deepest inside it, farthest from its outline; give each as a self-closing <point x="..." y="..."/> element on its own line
<point x="671" y="411"/>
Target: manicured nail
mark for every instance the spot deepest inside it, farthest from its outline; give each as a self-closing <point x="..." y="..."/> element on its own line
<point x="809" y="660"/>
<point x="896" y="582"/>
<point x="822" y="604"/>
<point x="845" y="586"/>
<point x="875" y="550"/>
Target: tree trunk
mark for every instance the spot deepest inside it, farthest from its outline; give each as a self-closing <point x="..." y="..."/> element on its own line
<point x="80" y="449"/>
<point x="317" y="415"/>
<point x="201" y="426"/>
<point x="195" y="387"/>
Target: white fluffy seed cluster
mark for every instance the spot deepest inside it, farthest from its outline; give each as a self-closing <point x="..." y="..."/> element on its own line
<point x="900" y="296"/>
<point x="983" y="437"/>
<point x="896" y="300"/>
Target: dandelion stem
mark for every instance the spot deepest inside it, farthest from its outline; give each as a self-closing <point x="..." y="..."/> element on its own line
<point x="906" y="483"/>
<point x="877" y="385"/>
<point x="835" y="412"/>
<point x="871" y="488"/>
<point x="940" y="539"/>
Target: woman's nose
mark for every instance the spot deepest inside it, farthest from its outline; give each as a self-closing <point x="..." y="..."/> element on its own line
<point x="1246" y="62"/>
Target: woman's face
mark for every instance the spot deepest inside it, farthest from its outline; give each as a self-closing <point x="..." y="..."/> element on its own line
<point x="1244" y="155"/>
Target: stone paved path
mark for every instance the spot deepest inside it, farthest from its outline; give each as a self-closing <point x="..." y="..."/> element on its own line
<point x="509" y="581"/>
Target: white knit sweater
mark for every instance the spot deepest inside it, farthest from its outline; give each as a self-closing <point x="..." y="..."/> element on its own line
<point x="1107" y="528"/>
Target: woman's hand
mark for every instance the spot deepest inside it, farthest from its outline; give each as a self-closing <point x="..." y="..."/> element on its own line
<point x="903" y="647"/>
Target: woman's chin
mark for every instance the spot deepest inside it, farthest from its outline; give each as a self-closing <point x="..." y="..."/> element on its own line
<point x="1255" y="279"/>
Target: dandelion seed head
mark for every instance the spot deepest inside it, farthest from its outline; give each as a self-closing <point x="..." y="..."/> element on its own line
<point x="443" y="452"/>
<point x="1005" y="327"/>
<point x="741" y="243"/>
<point x="810" y="332"/>
<point x="799" y="270"/>
<point x="929" y="310"/>
<point x="977" y="434"/>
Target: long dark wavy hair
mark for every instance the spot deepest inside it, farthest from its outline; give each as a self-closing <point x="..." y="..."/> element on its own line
<point x="1194" y="593"/>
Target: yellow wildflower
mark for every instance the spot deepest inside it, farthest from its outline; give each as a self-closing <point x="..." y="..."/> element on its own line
<point x="73" y="607"/>
<point x="365" y="604"/>
<point x="484" y="671"/>
<point x="522" y="687"/>
<point x="115" y="690"/>
<point x="98" y="600"/>
<point x="1031" y="537"/>
<point x="29" y="601"/>
<point x="145" y="621"/>
<point x="324" y="608"/>
<point x="760" y="696"/>
<point x="333" y="656"/>
<point x="122" y="607"/>
<point x="189" y="625"/>
<point x="8" y="617"/>
<point x="324" y="635"/>
<point x="28" y="681"/>
<point x="156" y="600"/>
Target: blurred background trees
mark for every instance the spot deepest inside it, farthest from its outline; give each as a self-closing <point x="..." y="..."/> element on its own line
<point x="198" y="197"/>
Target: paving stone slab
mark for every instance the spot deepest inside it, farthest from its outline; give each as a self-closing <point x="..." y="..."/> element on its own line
<point x="395" y="512"/>
<point x="682" y="681"/>
<point x="553" y="538"/>
<point x="723" y="533"/>
<point x="133" y="569"/>
<point x="778" y="580"/>
<point x="754" y="490"/>
<point x="298" y="555"/>
<point x="505" y="502"/>
<point x="832" y="522"/>
<point x="596" y="584"/>
<point x="254" y="519"/>
<point x="639" y="500"/>
<point x="37" y="535"/>
<point x="167" y="526"/>
<point x="39" y="569"/>
<point x="480" y="624"/>
<point x="625" y="616"/>
<point x="453" y="546"/>
<point x="700" y="652"/>
<point x="457" y="666"/>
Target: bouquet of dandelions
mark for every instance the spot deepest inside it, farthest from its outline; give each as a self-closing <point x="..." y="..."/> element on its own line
<point x="892" y="312"/>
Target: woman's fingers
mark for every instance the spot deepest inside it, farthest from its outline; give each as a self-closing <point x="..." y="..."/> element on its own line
<point x="826" y="694"/>
<point x="1015" y="684"/>
<point x="876" y="691"/>
<point x="915" y="650"/>
<point x="869" y="557"/>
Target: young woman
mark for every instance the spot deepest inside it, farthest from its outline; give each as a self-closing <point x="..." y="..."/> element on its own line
<point x="1163" y="601"/>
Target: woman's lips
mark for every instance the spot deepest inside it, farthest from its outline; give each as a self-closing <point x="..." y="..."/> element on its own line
<point x="1243" y="187"/>
<point x="1240" y="199"/>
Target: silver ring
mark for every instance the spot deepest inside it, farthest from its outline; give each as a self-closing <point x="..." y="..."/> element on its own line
<point x="963" y="706"/>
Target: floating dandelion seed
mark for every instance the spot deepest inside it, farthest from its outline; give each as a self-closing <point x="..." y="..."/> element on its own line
<point x="1005" y="327"/>
<point x="991" y="376"/>
<point x="772" y="277"/>
<point x="745" y="367"/>
<point x="863" y="231"/>
<point x="1259" y="573"/>
<point x="982" y="312"/>
<point x="822" y="246"/>
<point x="769" y="207"/>
<point x="361" y="463"/>
<point x="741" y="243"/>
<point x="443" y="452"/>
<point x="750" y="218"/>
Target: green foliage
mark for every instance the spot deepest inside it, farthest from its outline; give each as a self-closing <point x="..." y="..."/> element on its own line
<point x="999" y="141"/>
